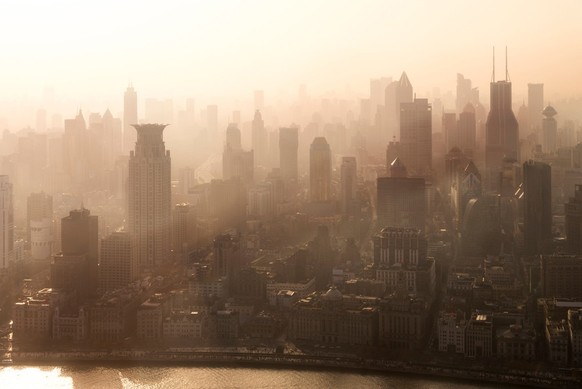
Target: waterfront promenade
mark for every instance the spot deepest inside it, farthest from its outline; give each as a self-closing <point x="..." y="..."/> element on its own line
<point x="542" y="379"/>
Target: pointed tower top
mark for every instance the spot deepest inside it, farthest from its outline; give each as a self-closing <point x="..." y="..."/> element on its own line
<point x="398" y="169"/>
<point x="404" y="81"/>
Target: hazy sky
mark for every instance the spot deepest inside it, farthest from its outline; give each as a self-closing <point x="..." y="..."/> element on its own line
<point x="89" y="50"/>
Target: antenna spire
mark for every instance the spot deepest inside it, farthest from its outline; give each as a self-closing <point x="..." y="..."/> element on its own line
<point x="493" y="75"/>
<point x="506" y="68"/>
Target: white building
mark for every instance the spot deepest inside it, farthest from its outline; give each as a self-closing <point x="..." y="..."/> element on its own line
<point x="451" y="333"/>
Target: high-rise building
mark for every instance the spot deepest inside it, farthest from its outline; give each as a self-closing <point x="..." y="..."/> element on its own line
<point x="40" y="225"/>
<point x="464" y="92"/>
<point x="75" y="148"/>
<point x="549" y="130"/>
<point x="75" y="268"/>
<point x="183" y="229"/>
<point x="467" y="187"/>
<point x="416" y="136"/>
<point x="537" y="209"/>
<point x="449" y="125"/>
<point x="118" y="266"/>
<point x="349" y="185"/>
<point x="6" y="222"/>
<point x="259" y="140"/>
<point x="129" y="118"/>
<point x="288" y="147"/>
<point x="320" y="171"/>
<point x="574" y="222"/>
<point x="236" y="163"/>
<point x="535" y="104"/>
<point x="401" y="199"/>
<point x="467" y="130"/>
<point x="502" y="129"/>
<point x="149" y="197"/>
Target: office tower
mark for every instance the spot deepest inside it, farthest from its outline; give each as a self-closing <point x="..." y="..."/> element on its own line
<point x="233" y="137"/>
<point x="401" y="199"/>
<point x="399" y="245"/>
<point x="6" y="222"/>
<point x="396" y="93"/>
<point x="75" y="268"/>
<point x="118" y="266"/>
<point x="467" y="130"/>
<point x="261" y="201"/>
<point x="549" y="130"/>
<point x="183" y="229"/>
<point x="212" y="119"/>
<point x="416" y="136"/>
<point x="537" y="207"/>
<point x="40" y="225"/>
<point x="259" y="140"/>
<point x="455" y="163"/>
<point x="535" y="104"/>
<point x="227" y="256"/>
<point x="288" y="147"/>
<point x="561" y="275"/>
<point x="112" y="139"/>
<point x="129" y="119"/>
<point x="502" y="130"/>
<point x="523" y="120"/>
<point x="464" y="92"/>
<point x="319" y="171"/>
<point x="75" y="148"/>
<point x="349" y="186"/>
<point x="259" y="100"/>
<point x="149" y="199"/>
<point x="236" y="163"/>
<point x="573" y="210"/>
<point x="449" y="123"/>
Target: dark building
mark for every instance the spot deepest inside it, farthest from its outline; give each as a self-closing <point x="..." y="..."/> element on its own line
<point x="320" y="171"/>
<point x="118" y="266"/>
<point x="75" y="269"/>
<point x="416" y="136"/>
<point x="401" y="199"/>
<point x="537" y="210"/>
<point x="574" y="222"/>
<point x="561" y="275"/>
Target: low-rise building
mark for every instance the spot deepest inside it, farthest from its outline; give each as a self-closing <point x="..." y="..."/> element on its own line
<point x="575" y="333"/>
<point x="72" y="325"/>
<point x="516" y="343"/>
<point x="182" y="324"/>
<point x="451" y="328"/>
<point x="479" y="336"/>
<point x="557" y="341"/>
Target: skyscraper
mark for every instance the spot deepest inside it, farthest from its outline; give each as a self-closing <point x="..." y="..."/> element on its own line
<point x="6" y="222"/>
<point x="549" y="130"/>
<point x="502" y="129"/>
<point x="129" y="118"/>
<point x="537" y="209"/>
<point x="348" y="185"/>
<point x="236" y="163"/>
<point x="535" y="104"/>
<point x="118" y="265"/>
<point x="259" y="139"/>
<point x="467" y="130"/>
<point x="76" y="267"/>
<point x="401" y="199"/>
<point x="464" y="92"/>
<point x="288" y="147"/>
<point x="416" y="136"/>
<point x="40" y="224"/>
<point x="149" y="197"/>
<point x="574" y="222"/>
<point x="320" y="171"/>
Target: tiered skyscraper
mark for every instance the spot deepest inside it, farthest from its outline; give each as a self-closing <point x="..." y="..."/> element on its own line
<point x="502" y="130"/>
<point x="149" y="197"/>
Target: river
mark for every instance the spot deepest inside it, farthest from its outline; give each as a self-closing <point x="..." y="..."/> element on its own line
<point x="159" y="377"/>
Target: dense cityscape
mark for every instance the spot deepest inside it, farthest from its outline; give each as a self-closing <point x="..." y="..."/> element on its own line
<point x="397" y="231"/>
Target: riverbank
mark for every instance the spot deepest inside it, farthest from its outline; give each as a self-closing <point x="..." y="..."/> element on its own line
<point x="188" y="356"/>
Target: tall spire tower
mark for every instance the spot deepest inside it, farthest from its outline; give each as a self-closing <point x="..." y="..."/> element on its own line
<point x="502" y="129"/>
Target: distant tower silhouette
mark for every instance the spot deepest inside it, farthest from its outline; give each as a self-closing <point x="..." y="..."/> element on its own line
<point x="129" y="118"/>
<point x="549" y="130"/>
<point x="320" y="170"/>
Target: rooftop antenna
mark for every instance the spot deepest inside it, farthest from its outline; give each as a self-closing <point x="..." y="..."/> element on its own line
<point x="493" y="75"/>
<point x="506" y="68"/>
